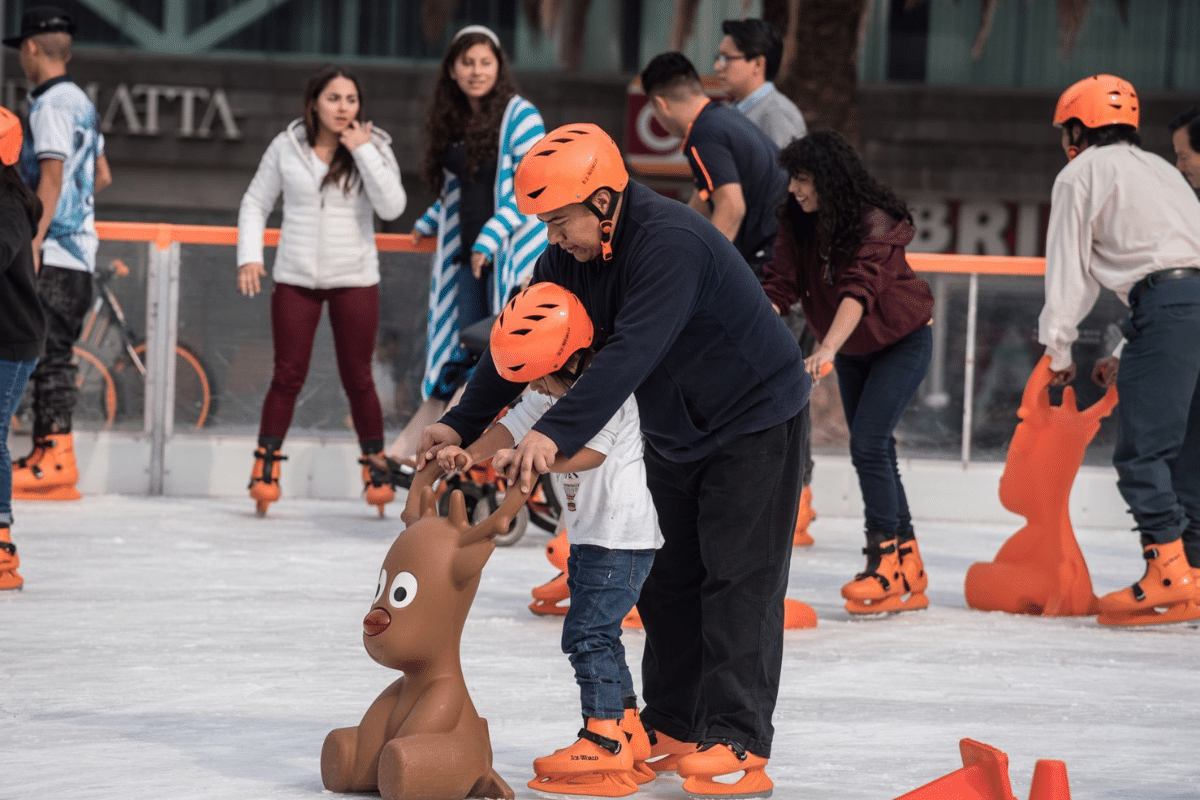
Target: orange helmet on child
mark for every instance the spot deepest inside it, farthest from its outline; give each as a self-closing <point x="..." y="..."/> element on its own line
<point x="538" y="332"/>
<point x="1098" y="101"/>
<point x="566" y="166"/>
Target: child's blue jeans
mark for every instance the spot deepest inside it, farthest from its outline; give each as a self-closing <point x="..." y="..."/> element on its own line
<point x="13" y="376"/>
<point x="604" y="585"/>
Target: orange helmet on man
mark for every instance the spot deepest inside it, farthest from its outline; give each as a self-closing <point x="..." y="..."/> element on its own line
<point x="538" y="331"/>
<point x="1098" y="101"/>
<point x="567" y="166"/>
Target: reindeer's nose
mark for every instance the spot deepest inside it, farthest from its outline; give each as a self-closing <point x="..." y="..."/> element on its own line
<point x="376" y="622"/>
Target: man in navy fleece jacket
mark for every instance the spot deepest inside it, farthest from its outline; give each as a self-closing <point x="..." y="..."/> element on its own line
<point x="684" y="326"/>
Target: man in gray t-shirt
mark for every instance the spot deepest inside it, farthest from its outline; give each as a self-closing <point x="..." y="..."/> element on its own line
<point x="747" y="61"/>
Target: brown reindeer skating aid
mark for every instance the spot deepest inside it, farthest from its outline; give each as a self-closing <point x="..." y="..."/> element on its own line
<point x="422" y="737"/>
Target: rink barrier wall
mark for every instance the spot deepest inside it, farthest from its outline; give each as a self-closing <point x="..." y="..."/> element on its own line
<point x="196" y="464"/>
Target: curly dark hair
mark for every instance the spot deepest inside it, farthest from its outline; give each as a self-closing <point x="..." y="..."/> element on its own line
<point x="449" y="118"/>
<point x="845" y="191"/>
<point x="343" y="171"/>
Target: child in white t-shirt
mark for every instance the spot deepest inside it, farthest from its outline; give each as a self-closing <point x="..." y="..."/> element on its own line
<point x="543" y="338"/>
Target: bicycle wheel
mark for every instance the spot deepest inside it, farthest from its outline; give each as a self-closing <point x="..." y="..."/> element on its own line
<point x="97" y="400"/>
<point x="193" y="390"/>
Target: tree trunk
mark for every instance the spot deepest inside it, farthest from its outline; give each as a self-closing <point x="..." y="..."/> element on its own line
<point x="820" y="69"/>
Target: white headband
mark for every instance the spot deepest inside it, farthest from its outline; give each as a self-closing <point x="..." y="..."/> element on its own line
<point x="486" y="31"/>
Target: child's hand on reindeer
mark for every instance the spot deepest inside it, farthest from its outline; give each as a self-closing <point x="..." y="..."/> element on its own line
<point x="454" y="459"/>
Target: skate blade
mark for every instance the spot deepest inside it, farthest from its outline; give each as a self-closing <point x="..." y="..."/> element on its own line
<point x="260" y="507"/>
<point x="733" y="786"/>
<point x="1179" y="612"/>
<point x="52" y="493"/>
<point x="888" y="605"/>
<point x="590" y="784"/>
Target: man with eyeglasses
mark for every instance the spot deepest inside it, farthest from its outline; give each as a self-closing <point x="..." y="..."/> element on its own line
<point x="747" y="61"/>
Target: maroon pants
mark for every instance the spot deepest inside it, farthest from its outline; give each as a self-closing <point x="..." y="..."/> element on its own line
<point x="354" y="317"/>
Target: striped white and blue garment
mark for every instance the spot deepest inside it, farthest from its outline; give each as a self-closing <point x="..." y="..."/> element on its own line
<point x="512" y="240"/>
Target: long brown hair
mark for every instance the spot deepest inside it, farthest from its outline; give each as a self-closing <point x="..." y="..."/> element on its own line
<point x="342" y="169"/>
<point x="449" y="117"/>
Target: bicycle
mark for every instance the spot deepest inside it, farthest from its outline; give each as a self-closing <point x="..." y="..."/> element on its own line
<point x="121" y="387"/>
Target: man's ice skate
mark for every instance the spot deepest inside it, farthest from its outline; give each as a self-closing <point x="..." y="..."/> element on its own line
<point x="882" y="587"/>
<point x="665" y="751"/>
<point x="49" y="472"/>
<point x="598" y="764"/>
<point x="805" y="515"/>
<point x="1168" y="591"/>
<point x="9" y="577"/>
<point x="381" y="474"/>
<point x="639" y="742"/>
<point x="264" y="479"/>
<point x="724" y="769"/>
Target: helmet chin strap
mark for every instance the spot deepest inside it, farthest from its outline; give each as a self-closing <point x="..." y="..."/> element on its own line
<point x="606" y="224"/>
<point x="1072" y="151"/>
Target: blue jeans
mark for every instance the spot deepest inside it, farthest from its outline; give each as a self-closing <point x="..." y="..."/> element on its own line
<point x="1158" y="447"/>
<point x="13" y="377"/>
<point x="604" y="586"/>
<point x="876" y="388"/>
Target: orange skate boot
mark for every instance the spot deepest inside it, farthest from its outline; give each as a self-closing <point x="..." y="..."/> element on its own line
<point x="554" y="597"/>
<point x="1167" y="592"/>
<point x="639" y="742"/>
<point x="599" y="764"/>
<point x="880" y="587"/>
<point x="801" y="537"/>
<point x="666" y="751"/>
<point x="49" y="472"/>
<point x="912" y="571"/>
<point x="713" y="760"/>
<point x="380" y="474"/>
<point x="9" y="578"/>
<point x="264" y="478"/>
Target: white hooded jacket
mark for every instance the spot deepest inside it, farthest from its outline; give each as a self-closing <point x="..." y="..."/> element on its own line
<point x="327" y="239"/>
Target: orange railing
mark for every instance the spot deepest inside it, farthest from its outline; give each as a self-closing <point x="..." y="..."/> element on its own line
<point x="162" y="235"/>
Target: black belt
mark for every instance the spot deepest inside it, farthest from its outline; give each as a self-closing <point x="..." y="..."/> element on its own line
<point x="1162" y="276"/>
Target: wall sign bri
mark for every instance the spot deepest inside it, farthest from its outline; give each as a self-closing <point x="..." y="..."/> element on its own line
<point x="155" y="110"/>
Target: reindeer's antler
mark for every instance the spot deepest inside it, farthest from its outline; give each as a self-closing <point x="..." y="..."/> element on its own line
<point x="413" y="507"/>
<point x="499" y="520"/>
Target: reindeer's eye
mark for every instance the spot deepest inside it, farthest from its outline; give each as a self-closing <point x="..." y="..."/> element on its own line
<point x="382" y="585"/>
<point x="403" y="591"/>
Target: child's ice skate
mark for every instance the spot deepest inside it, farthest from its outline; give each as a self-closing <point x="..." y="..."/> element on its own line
<point x="598" y="764"/>
<point x="912" y="570"/>
<point x="639" y="742"/>
<point x="1167" y="592"/>
<point x="665" y="751"/>
<point x="49" y="472"/>
<point x="724" y="759"/>
<point x="381" y="474"/>
<point x="805" y="515"/>
<point x="264" y="478"/>
<point x="881" y="587"/>
<point x="9" y="577"/>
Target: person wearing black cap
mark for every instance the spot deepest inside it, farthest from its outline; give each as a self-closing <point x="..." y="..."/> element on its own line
<point x="22" y="321"/>
<point x="63" y="159"/>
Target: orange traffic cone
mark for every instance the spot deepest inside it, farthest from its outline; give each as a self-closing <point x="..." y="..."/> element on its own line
<point x="1049" y="781"/>
<point x="1040" y="570"/>
<point x="984" y="776"/>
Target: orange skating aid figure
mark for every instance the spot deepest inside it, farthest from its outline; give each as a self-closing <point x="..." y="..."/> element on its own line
<point x="422" y="737"/>
<point x="1040" y="569"/>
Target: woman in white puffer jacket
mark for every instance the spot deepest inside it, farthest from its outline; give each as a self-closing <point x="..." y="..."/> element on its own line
<point x="335" y="173"/>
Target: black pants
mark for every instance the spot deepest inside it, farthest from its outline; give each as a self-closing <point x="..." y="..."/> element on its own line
<point x="66" y="295"/>
<point x="712" y="606"/>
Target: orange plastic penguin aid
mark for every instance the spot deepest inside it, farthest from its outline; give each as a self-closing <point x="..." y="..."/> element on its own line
<point x="422" y="737"/>
<point x="1040" y="569"/>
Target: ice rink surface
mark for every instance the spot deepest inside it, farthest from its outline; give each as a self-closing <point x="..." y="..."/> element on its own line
<point x="170" y="649"/>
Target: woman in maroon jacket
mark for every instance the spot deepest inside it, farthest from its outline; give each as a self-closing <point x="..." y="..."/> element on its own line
<point x="840" y="252"/>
